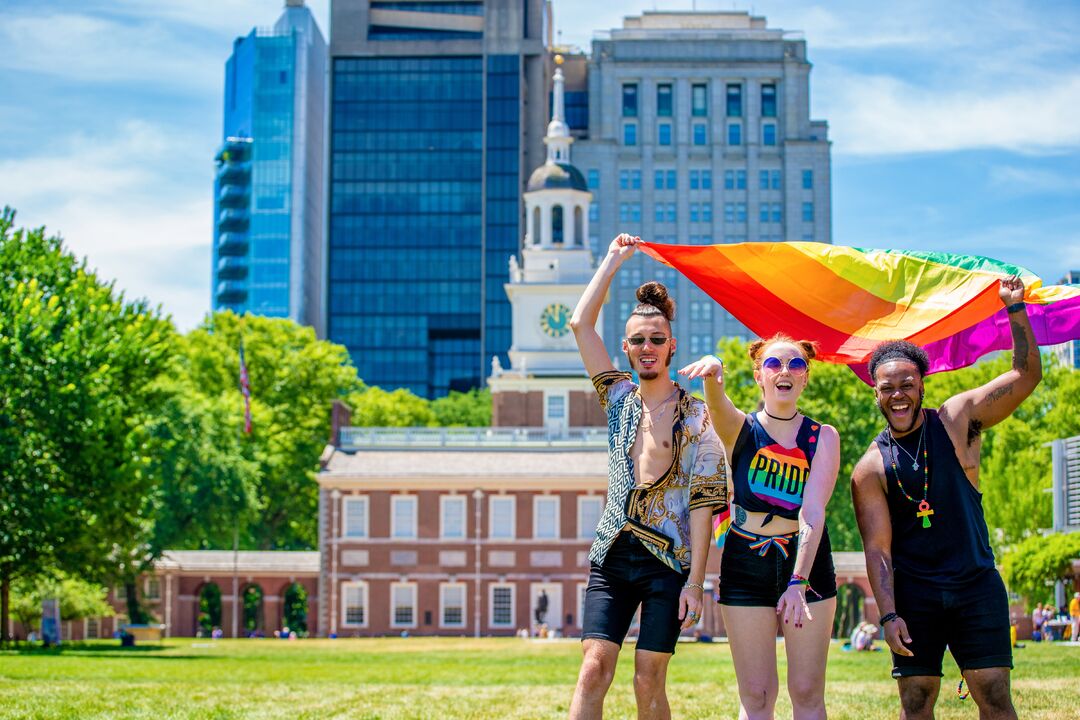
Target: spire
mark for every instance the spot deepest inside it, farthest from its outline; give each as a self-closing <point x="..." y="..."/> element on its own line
<point x="558" y="134"/>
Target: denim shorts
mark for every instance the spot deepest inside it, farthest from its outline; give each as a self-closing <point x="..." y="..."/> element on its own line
<point x="633" y="576"/>
<point x="757" y="576"/>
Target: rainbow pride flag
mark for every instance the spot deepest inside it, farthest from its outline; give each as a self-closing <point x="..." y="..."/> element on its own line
<point x="721" y="523"/>
<point x="850" y="299"/>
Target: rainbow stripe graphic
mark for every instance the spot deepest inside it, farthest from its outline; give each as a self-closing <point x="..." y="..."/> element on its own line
<point x="778" y="475"/>
<point x="850" y="299"/>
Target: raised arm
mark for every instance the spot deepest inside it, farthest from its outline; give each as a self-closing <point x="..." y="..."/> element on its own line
<point x="819" y="488"/>
<point x="727" y="419"/>
<point x="875" y="526"/>
<point x="968" y="413"/>
<point x="583" y="323"/>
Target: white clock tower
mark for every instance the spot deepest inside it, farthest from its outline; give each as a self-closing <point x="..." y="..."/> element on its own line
<point x="546" y="383"/>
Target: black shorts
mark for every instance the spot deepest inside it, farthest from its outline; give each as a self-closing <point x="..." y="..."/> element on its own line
<point x="632" y="576"/>
<point x="973" y="621"/>
<point x="750" y="579"/>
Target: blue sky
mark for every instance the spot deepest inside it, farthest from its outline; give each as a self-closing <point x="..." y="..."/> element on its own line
<point x="955" y="125"/>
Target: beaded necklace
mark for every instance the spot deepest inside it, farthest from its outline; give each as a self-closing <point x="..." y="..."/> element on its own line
<point x="924" y="505"/>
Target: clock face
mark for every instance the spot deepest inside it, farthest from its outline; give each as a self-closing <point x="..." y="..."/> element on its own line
<point x="555" y="320"/>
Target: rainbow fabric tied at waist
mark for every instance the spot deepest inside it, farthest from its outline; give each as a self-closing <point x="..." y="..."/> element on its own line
<point x="764" y="543"/>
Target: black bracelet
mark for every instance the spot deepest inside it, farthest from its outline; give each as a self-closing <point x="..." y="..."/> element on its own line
<point x="886" y="618"/>
<point x="1016" y="306"/>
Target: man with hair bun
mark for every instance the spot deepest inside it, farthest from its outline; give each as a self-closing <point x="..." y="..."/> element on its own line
<point x="667" y="476"/>
<point x="917" y="502"/>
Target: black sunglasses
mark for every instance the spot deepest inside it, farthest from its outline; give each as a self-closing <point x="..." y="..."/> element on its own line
<point x="656" y="340"/>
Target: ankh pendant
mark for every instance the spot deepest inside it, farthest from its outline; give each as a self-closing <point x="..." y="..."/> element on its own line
<point x="925" y="512"/>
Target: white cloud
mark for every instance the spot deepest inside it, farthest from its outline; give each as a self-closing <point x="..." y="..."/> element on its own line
<point x="116" y="201"/>
<point x="1024" y="181"/>
<point x="102" y="51"/>
<point x="879" y="115"/>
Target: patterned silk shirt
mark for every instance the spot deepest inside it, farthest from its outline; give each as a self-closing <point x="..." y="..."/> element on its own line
<point x="660" y="514"/>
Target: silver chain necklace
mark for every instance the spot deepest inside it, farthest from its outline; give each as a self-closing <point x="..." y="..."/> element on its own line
<point x="915" y="457"/>
<point x="653" y="414"/>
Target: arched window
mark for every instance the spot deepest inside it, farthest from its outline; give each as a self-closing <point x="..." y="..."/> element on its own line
<point x="253" y="611"/>
<point x="579" y="225"/>
<point x="557" y="225"/>
<point x="536" y="227"/>
<point x="209" y="617"/>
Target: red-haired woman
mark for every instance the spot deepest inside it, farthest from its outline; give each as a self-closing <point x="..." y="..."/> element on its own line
<point x="777" y="561"/>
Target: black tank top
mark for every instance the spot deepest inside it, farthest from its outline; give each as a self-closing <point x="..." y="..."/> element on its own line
<point x="769" y="477"/>
<point x="955" y="547"/>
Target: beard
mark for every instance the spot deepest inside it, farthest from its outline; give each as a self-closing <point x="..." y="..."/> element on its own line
<point x="915" y="415"/>
<point x="652" y="373"/>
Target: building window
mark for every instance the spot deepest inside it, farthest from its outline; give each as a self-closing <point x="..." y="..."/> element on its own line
<point x="706" y="212"/>
<point x="768" y="134"/>
<point x="452" y="605"/>
<point x="729" y="212"/>
<point x="403" y="517"/>
<point x="808" y="237"/>
<point x="670" y="214"/>
<point x="808" y="179"/>
<point x="706" y="179"/>
<point x="729" y="179"/>
<point x="700" y="311"/>
<point x="763" y="180"/>
<point x="663" y="133"/>
<point x="775" y="176"/>
<point x="153" y="588"/>
<point x="589" y="508"/>
<point x="734" y="133"/>
<point x="629" y="134"/>
<point x="501" y="509"/>
<point x="92" y="629"/>
<point x="502" y="606"/>
<point x="777" y="213"/>
<point x="808" y="212"/>
<point x="663" y="100"/>
<point x="402" y="604"/>
<point x="699" y="100"/>
<point x="594" y="178"/>
<point x="672" y="179"/>
<point x="354" y="604"/>
<point x="629" y="100"/>
<point x="556" y="406"/>
<point x="545" y="517"/>
<point x="763" y="213"/>
<point x="734" y="100"/>
<point x="768" y="101"/>
<point x="594" y="212"/>
<point x="695" y="179"/>
<point x="624" y="179"/>
<point x="700" y="134"/>
<point x="740" y="179"/>
<point x="452" y="521"/>
<point x="356" y="517"/>
<point x="740" y="212"/>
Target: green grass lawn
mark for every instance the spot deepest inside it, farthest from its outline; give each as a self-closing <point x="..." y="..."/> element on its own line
<point x="446" y="678"/>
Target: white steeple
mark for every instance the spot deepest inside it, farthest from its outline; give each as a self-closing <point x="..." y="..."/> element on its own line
<point x="558" y="134"/>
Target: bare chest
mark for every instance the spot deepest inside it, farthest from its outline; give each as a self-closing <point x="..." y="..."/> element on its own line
<point x="652" y="450"/>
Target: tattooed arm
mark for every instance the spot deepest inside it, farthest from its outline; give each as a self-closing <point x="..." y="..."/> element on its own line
<point x="967" y="414"/>
<point x="819" y="488"/>
<point x="875" y="526"/>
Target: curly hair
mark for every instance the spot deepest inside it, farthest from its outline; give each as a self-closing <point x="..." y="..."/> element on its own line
<point x="653" y="299"/>
<point x="757" y="348"/>
<point x="899" y="350"/>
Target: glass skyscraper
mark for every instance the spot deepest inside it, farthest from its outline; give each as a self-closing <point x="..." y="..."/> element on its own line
<point x="429" y="135"/>
<point x="268" y="189"/>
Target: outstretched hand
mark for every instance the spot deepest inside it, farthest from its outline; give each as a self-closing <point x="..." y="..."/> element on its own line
<point x="707" y="366"/>
<point x="1011" y="290"/>
<point x="623" y="246"/>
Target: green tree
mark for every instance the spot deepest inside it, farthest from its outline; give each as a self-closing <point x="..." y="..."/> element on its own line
<point x="76" y="360"/>
<point x="294" y="378"/>
<point x="468" y="409"/>
<point x="78" y="598"/>
<point x="375" y="407"/>
<point x="1035" y="563"/>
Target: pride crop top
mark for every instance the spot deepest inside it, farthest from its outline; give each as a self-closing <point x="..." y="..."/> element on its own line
<point x="769" y="477"/>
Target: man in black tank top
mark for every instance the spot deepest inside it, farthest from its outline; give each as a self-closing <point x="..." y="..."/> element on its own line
<point x="917" y="501"/>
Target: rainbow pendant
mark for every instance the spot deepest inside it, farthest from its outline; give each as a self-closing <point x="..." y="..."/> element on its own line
<point x="925" y="512"/>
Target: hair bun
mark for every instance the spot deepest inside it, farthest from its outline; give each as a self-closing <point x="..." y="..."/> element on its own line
<point x="655" y="294"/>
